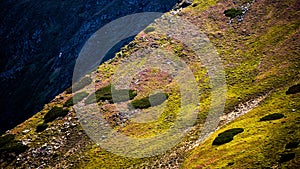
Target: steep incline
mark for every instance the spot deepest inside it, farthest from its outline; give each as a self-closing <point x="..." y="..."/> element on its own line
<point x="260" y="52"/>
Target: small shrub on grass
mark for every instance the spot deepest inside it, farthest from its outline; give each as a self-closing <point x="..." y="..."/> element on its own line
<point x="286" y="157"/>
<point x="149" y="29"/>
<point x="75" y="99"/>
<point x="293" y="89"/>
<point x="9" y="145"/>
<point x="13" y="147"/>
<point x="122" y="95"/>
<point x="293" y="144"/>
<point x="232" y="13"/>
<point x="105" y="93"/>
<point x="54" y="113"/>
<point x="147" y="102"/>
<point x="227" y="136"/>
<point x="274" y="116"/>
<point x="41" y="127"/>
<point x="79" y="85"/>
<point x="6" y="139"/>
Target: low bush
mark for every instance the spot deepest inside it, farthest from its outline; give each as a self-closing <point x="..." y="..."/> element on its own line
<point x="13" y="147"/>
<point x="274" y="116"/>
<point x="79" y="85"/>
<point x="227" y="136"/>
<point x="286" y="157"/>
<point x="293" y="144"/>
<point x="122" y="95"/>
<point x="75" y="99"/>
<point x="105" y="93"/>
<point x="147" y="102"/>
<point x="6" y="139"/>
<point x="54" y="113"/>
<point x="41" y="127"/>
<point x="293" y="89"/>
<point x="9" y="145"/>
<point x="232" y="13"/>
<point x="149" y="29"/>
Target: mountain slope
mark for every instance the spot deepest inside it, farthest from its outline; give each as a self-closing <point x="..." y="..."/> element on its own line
<point x="260" y="54"/>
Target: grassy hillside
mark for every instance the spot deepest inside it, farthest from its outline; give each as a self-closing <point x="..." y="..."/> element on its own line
<point x="261" y="57"/>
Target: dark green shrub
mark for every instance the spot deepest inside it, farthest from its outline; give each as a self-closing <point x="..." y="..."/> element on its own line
<point x="274" y="116"/>
<point x="293" y="89"/>
<point x="75" y="99"/>
<point x="145" y="102"/>
<point x="141" y="103"/>
<point x="54" y="113"/>
<point x="286" y="157"/>
<point x="79" y="85"/>
<point x="13" y="147"/>
<point x="149" y="29"/>
<point x="41" y="127"/>
<point x="6" y="139"/>
<point x="293" y="144"/>
<point x="232" y="13"/>
<point x="227" y="136"/>
<point x="122" y="95"/>
<point x="9" y="145"/>
<point x="105" y="93"/>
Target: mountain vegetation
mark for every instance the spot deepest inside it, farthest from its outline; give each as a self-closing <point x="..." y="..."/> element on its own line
<point x="258" y="43"/>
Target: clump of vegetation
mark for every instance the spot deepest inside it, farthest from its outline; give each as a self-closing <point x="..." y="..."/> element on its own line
<point x="147" y="102"/>
<point x="293" y="144"/>
<point x="232" y="13"/>
<point x="6" y="139"/>
<point x="286" y="157"/>
<point x="227" y="136"/>
<point x="105" y="93"/>
<point x="293" y="89"/>
<point x="79" y="85"/>
<point x="121" y="95"/>
<point x="273" y="116"/>
<point x="13" y="147"/>
<point x="54" y="113"/>
<point x="75" y="99"/>
<point x="41" y="127"/>
<point x="149" y="29"/>
<point x="9" y="145"/>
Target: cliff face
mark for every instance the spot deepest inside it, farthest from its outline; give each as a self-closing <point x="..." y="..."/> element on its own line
<point x="40" y="42"/>
<point x="258" y="44"/>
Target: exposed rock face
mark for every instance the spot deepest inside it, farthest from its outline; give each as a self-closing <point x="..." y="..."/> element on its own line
<point x="40" y="42"/>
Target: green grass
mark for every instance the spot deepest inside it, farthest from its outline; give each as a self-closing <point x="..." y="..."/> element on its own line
<point x="263" y="142"/>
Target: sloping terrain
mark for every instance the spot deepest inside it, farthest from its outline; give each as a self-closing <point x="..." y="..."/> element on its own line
<point x="40" y="42"/>
<point x="259" y="49"/>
